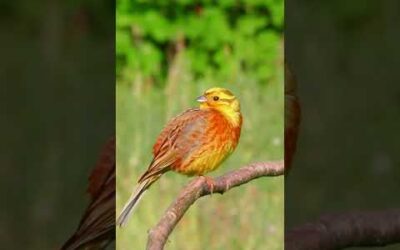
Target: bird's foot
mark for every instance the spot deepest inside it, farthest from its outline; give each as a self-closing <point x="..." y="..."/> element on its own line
<point x="210" y="183"/>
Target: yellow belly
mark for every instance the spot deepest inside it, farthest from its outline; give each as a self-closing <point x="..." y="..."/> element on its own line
<point x="205" y="162"/>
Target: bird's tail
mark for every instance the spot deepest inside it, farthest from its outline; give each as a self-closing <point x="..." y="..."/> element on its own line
<point x="134" y="199"/>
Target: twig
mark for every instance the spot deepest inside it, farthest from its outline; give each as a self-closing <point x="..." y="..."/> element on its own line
<point x="198" y="188"/>
<point x="339" y="231"/>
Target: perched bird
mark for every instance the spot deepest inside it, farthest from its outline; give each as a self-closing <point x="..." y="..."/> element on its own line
<point x="193" y="143"/>
<point x="96" y="229"/>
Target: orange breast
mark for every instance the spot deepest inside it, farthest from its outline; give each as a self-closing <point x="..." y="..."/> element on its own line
<point x="195" y="142"/>
<point x="207" y="149"/>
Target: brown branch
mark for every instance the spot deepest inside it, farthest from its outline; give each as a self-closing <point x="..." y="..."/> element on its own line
<point x="338" y="231"/>
<point x="197" y="188"/>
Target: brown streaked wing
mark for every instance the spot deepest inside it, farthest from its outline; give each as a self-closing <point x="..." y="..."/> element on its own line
<point x="97" y="225"/>
<point x="171" y="130"/>
<point x="182" y="135"/>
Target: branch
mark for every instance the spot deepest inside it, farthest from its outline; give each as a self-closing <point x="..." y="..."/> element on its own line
<point x="338" y="231"/>
<point x="197" y="188"/>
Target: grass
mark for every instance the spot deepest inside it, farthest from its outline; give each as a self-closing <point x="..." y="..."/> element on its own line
<point x="248" y="217"/>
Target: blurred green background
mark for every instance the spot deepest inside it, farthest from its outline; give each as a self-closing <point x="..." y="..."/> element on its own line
<point x="346" y="57"/>
<point x="168" y="53"/>
<point x="57" y="111"/>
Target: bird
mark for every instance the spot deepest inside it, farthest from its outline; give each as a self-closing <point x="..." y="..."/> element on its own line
<point x="96" y="228"/>
<point x="193" y="143"/>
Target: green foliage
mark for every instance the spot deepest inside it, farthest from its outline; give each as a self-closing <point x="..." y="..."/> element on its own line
<point x="220" y="39"/>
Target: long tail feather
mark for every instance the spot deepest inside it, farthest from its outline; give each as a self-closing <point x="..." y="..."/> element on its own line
<point x="134" y="200"/>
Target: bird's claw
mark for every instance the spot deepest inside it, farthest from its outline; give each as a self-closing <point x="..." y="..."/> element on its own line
<point x="210" y="183"/>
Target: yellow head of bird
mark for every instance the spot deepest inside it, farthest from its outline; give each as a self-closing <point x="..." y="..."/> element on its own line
<point x="222" y="100"/>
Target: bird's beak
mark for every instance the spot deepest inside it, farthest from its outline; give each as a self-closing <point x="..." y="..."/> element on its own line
<point x="201" y="99"/>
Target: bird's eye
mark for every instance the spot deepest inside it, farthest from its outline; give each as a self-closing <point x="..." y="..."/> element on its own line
<point x="216" y="98"/>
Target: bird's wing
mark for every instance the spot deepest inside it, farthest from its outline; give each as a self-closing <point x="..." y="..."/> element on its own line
<point x="180" y="136"/>
<point x="103" y="167"/>
<point x="97" y="225"/>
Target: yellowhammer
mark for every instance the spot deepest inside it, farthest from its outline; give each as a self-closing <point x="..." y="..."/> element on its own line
<point x="193" y="143"/>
